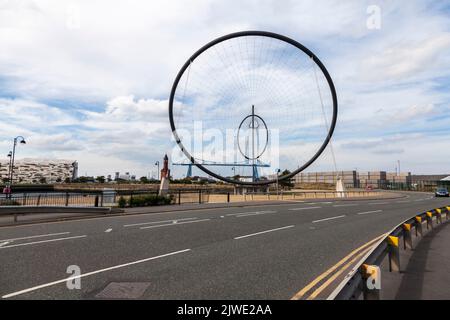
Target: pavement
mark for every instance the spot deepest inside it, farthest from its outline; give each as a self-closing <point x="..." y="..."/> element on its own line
<point x="256" y="252"/>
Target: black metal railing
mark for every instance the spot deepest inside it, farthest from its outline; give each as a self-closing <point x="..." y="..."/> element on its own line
<point x="112" y="198"/>
<point x="85" y="199"/>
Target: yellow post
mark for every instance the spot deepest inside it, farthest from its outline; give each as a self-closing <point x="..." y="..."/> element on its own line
<point x="438" y="216"/>
<point x="394" y="254"/>
<point x="407" y="239"/>
<point x="419" y="226"/>
<point x="429" y="220"/>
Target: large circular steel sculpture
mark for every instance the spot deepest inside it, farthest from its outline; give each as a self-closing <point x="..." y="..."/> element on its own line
<point x="287" y="88"/>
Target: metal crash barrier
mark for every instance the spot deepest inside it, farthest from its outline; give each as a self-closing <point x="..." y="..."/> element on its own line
<point x="365" y="277"/>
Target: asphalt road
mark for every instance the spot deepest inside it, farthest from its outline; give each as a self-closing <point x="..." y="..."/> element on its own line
<point x="260" y="252"/>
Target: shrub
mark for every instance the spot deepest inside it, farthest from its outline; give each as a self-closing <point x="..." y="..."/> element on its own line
<point x="149" y="200"/>
<point x="122" y="202"/>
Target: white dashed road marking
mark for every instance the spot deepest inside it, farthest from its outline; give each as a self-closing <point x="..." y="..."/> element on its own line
<point x="43" y="241"/>
<point x="345" y="205"/>
<point x="367" y="212"/>
<point x="307" y="208"/>
<point x="38" y="236"/>
<point x="156" y="222"/>
<point x="266" y="231"/>
<point x="173" y="224"/>
<point x="89" y="274"/>
<point x="326" y="219"/>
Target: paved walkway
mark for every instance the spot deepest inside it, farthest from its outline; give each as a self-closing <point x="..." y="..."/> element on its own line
<point x="427" y="275"/>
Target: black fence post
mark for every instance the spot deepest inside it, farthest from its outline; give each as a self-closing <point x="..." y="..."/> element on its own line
<point x="96" y="201"/>
<point x="200" y="196"/>
<point x="228" y="197"/>
<point x="67" y="199"/>
<point x="101" y="200"/>
<point x="179" y="197"/>
<point x="38" y="200"/>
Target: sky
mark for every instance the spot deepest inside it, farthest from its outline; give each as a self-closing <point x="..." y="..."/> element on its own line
<point x="90" y="80"/>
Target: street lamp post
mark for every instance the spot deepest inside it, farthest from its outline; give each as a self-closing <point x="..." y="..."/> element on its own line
<point x="9" y="167"/>
<point x="278" y="171"/>
<point x="22" y="141"/>
<point x="157" y="164"/>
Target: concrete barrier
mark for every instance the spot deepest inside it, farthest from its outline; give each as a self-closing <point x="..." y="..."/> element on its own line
<point x="9" y="215"/>
<point x="7" y="210"/>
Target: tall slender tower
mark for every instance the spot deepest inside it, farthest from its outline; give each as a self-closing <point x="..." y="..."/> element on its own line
<point x="165" y="172"/>
<point x="165" y="177"/>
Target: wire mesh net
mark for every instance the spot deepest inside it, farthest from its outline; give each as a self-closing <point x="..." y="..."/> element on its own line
<point x="252" y="100"/>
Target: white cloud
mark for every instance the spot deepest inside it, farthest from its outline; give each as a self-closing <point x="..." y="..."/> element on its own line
<point x="408" y="58"/>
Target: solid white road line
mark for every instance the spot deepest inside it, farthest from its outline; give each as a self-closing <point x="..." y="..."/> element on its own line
<point x="407" y="201"/>
<point x="307" y="208"/>
<point x="375" y="203"/>
<point x="326" y="219"/>
<point x="155" y="222"/>
<point x="319" y="203"/>
<point x="367" y="212"/>
<point x="257" y="233"/>
<point x="250" y="214"/>
<point x="345" y="205"/>
<point x="108" y="230"/>
<point x="3" y="243"/>
<point x="38" y="236"/>
<point x="90" y="273"/>
<point x="173" y="224"/>
<point x="42" y="241"/>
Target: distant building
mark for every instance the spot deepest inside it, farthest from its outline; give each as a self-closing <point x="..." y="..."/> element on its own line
<point x="40" y="170"/>
<point x="376" y="179"/>
<point x="418" y="178"/>
<point x="125" y="176"/>
<point x="349" y="178"/>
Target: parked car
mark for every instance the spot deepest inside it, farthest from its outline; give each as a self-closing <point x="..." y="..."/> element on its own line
<point x="441" y="192"/>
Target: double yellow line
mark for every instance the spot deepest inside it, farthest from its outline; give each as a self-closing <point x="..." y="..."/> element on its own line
<point x="334" y="272"/>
